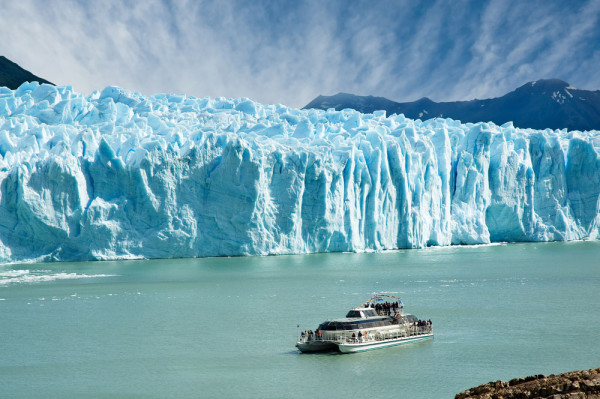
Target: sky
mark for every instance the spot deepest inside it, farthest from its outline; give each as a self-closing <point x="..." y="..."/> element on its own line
<point x="289" y="52"/>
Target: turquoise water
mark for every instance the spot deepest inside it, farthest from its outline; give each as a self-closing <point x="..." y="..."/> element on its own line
<point x="226" y="327"/>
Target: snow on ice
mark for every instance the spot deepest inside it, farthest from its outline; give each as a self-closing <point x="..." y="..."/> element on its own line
<point x="119" y="175"/>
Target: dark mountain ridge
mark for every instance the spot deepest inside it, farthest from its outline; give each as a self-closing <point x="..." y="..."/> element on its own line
<point x="545" y="103"/>
<point x="12" y="75"/>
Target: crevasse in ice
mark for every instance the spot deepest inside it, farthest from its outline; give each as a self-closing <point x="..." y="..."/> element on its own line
<point x="120" y="175"/>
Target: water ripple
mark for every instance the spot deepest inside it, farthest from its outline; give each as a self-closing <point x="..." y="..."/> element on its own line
<point x="9" y="277"/>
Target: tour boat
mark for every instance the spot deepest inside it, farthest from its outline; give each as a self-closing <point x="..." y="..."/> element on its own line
<point x="374" y="325"/>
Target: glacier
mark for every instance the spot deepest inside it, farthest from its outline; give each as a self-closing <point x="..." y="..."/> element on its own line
<point x="119" y="175"/>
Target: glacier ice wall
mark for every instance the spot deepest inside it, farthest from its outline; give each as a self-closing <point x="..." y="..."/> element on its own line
<point x="120" y="175"/>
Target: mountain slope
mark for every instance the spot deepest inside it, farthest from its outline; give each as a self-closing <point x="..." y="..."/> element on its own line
<point x="546" y="103"/>
<point x="12" y="75"/>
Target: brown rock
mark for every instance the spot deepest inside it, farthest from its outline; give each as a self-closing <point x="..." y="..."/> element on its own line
<point x="572" y="385"/>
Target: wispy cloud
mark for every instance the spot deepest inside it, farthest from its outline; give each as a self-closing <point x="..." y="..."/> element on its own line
<point x="524" y="41"/>
<point x="289" y="52"/>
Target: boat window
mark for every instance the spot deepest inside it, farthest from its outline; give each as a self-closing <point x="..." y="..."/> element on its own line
<point x="324" y="326"/>
<point x="354" y="313"/>
<point x="370" y="312"/>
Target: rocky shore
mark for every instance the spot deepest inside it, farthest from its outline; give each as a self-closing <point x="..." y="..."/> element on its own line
<point x="571" y="385"/>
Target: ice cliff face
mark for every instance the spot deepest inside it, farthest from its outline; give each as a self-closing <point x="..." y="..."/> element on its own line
<point x="120" y="175"/>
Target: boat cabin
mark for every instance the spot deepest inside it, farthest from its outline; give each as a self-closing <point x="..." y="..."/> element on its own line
<point x="362" y="313"/>
<point x="356" y="319"/>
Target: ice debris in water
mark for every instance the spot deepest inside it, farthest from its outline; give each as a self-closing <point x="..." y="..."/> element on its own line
<point x="120" y="175"/>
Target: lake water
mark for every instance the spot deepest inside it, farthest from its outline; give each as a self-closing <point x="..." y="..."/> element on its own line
<point x="226" y="327"/>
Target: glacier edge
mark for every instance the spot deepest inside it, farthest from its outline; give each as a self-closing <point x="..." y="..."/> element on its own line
<point x="118" y="175"/>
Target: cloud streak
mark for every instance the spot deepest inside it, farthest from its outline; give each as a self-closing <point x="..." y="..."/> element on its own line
<point x="280" y="52"/>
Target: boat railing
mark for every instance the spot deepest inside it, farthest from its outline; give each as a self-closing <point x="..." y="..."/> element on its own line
<point x="372" y="337"/>
<point x="311" y="338"/>
<point x="387" y="335"/>
<point x="420" y="330"/>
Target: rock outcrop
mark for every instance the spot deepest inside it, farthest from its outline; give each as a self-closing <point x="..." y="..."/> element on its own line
<point x="571" y="385"/>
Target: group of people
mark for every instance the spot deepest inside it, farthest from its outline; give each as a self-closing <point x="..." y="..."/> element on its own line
<point x="387" y="308"/>
<point x="309" y="335"/>
<point x="360" y="336"/>
<point x="423" y="326"/>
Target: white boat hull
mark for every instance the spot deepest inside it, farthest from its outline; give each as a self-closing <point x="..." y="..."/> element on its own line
<point x="352" y="347"/>
<point x="356" y="346"/>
